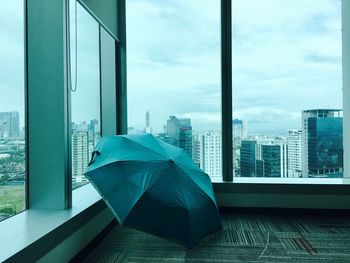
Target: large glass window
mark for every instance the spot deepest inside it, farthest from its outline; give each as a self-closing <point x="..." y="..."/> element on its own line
<point x="287" y="88"/>
<point x="85" y="93"/>
<point x="174" y="80"/>
<point x="12" y="109"/>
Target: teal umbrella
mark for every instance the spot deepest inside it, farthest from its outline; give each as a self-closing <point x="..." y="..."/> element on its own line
<point x="154" y="187"/>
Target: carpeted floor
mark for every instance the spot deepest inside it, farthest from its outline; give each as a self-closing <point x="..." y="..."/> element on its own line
<point x="245" y="238"/>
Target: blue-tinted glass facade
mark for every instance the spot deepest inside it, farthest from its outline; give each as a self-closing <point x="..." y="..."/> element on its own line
<point x="260" y="168"/>
<point x="248" y="158"/>
<point x="271" y="154"/>
<point x="325" y="145"/>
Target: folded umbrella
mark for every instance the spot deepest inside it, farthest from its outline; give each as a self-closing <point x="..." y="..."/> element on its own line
<point x="154" y="187"/>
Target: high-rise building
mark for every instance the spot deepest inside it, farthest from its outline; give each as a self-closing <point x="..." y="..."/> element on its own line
<point x="93" y="127"/>
<point x="179" y="133"/>
<point x="264" y="158"/>
<point x="207" y="153"/>
<point x="239" y="129"/>
<point x="322" y="143"/>
<point x="148" y="128"/>
<point x="80" y="154"/>
<point x="239" y="132"/>
<point x="249" y="154"/>
<point x="9" y="125"/>
<point x="274" y="157"/>
<point x="295" y="164"/>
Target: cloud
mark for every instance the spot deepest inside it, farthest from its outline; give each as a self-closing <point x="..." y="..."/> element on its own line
<point x="319" y="58"/>
<point x="286" y="58"/>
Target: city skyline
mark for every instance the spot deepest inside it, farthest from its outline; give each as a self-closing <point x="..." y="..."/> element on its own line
<point x="268" y="95"/>
<point x="313" y="150"/>
<point x="297" y="61"/>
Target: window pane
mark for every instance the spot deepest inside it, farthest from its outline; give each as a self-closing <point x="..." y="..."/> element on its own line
<point x="287" y="88"/>
<point x="174" y="88"/>
<point x="85" y="95"/>
<point x="12" y="111"/>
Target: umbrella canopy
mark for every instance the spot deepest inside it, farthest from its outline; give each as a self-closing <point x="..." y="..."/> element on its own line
<point x="154" y="187"/>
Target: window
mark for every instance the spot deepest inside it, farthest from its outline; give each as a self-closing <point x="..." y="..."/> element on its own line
<point x="174" y="79"/>
<point x="85" y="94"/>
<point x="287" y="88"/>
<point x="12" y="110"/>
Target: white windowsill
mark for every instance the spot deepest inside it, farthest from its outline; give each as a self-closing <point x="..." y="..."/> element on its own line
<point x="22" y="230"/>
<point x="265" y="180"/>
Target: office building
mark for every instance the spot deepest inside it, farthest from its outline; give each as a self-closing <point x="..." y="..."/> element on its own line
<point x="207" y="153"/>
<point x="274" y="157"/>
<point x="178" y="132"/>
<point x="295" y="163"/>
<point x="249" y="153"/>
<point x="9" y="125"/>
<point x="239" y="132"/>
<point x="322" y="143"/>
<point x="80" y="155"/>
<point x="239" y="129"/>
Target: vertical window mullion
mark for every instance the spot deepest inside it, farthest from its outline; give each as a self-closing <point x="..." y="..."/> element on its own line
<point x="226" y="85"/>
<point x="346" y="85"/>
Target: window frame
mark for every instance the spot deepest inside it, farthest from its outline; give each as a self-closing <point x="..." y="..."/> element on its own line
<point x="313" y="195"/>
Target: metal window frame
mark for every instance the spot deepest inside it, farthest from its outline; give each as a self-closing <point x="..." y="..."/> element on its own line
<point x="226" y="100"/>
<point x="234" y="194"/>
<point x="226" y="90"/>
<point x="47" y="102"/>
<point x="47" y="105"/>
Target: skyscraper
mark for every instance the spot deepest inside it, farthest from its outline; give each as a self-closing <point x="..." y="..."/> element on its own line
<point x="264" y="158"/>
<point x="148" y="128"/>
<point x="322" y="142"/>
<point x="274" y="159"/>
<point x="239" y="129"/>
<point x="207" y="153"/>
<point x="179" y="133"/>
<point x="239" y="132"/>
<point x="249" y="154"/>
<point x="9" y="125"/>
<point x="80" y="155"/>
<point x="295" y="164"/>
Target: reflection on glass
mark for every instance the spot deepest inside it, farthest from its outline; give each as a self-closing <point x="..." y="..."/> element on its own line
<point x="287" y="88"/>
<point x="85" y="96"/>
<point x="12" y="135"/>
<point x="174" y="76"/>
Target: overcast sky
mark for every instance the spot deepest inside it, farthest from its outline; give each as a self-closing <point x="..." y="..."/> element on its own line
<point x="12" y="58"/>
<point x="286" y="58"/>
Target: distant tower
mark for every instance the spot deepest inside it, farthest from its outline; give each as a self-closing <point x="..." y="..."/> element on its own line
<point x="322" y="143"/>
<point x="263" y="158"/>
<point x="80" y="155"/>
<point x="249" y="153"/>
<point x="207" y="153"/>
<point x="148" y="128"/>
<point x="239" y="129"/>
<point x="295" y="164"/>
<point x="274" y="160"/>
<point x="178" y="132"/>
<point x="239" y="132"/>
<point x="9" y="124"/>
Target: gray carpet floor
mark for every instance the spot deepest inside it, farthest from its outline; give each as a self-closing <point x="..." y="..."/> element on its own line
<point x="245" y="238"/>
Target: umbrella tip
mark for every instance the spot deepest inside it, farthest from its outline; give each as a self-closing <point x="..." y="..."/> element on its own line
<point x="171" y="161"/>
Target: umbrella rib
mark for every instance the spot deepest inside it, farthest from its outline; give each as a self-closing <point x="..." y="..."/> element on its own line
<point x="192" y="181"/>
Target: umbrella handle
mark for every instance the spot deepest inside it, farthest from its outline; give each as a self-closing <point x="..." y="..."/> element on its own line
<point x="94" y="153"/>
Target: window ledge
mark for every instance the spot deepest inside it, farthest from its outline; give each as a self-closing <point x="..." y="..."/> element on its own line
<point x="279" y="180"/>
<point x="25" y="229"/>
